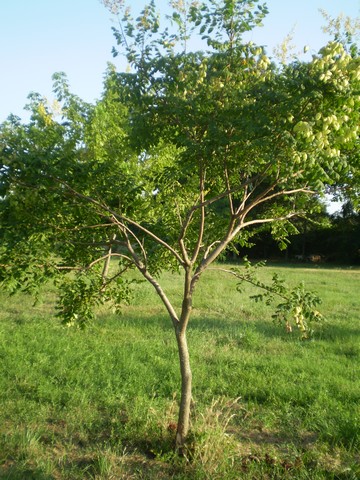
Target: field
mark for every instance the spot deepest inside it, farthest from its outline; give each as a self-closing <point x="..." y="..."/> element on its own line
<point x="102" y="403"/>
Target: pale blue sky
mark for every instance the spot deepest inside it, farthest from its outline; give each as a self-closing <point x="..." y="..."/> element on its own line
<point x="40" y="37"/>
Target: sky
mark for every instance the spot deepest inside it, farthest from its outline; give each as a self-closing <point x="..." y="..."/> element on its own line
<point x="41" y="37"/>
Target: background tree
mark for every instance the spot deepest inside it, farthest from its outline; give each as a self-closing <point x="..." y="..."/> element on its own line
<point x="184" y="156"/>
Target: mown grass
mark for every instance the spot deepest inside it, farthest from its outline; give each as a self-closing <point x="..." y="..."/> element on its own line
<point x="102" y="403"/>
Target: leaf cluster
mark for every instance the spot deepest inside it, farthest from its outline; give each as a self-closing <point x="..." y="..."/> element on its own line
<point x="297" y="305"/>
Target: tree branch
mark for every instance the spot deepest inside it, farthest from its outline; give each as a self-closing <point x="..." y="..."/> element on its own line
<point x="105" y="257"/>
<point x="244" y="278"/>
<point x="126" y="231"/>
<point x="146" y="274"/>
<point x="266" y="220"/>
<point x="261" y="199"/>
<point x="202" y="218"/>
<point x="123" y="219"/>
<point x="227" y="183"/>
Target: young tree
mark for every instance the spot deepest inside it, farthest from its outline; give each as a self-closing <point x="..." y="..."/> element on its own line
<point x="185" y="155"/>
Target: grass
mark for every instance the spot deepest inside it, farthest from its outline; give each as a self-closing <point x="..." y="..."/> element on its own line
<point x="102" y="403"/>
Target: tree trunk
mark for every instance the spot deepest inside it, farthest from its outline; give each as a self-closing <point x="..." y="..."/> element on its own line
<point x="186" y="383"/>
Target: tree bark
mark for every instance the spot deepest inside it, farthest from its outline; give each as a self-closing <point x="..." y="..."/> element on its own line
<point x="186" y="389"/>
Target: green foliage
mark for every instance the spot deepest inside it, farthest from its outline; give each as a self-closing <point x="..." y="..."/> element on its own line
<point x="223" y="25"/>
<point x="80" y="296"/>
<point x="298" y="305"/>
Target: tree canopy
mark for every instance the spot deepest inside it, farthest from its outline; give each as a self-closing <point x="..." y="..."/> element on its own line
<point x="185" y="154"/>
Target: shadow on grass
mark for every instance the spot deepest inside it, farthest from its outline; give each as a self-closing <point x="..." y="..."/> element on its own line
<point x="13" y="472"/>
<point x="216" y="326"/>
<point x="233" y="326"/>
<point x="213" y="325"/>
<point x="331" y="332"/>
<point x="300" y="265"/>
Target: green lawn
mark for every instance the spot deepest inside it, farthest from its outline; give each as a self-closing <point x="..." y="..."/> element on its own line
<point x="102" y="403"/>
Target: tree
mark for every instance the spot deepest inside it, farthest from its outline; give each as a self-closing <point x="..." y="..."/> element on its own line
<point x="184" y="156"/>
<point x="346" y="31"/>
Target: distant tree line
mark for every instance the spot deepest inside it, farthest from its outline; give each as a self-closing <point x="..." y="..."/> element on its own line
<point x="328" y="239"/>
